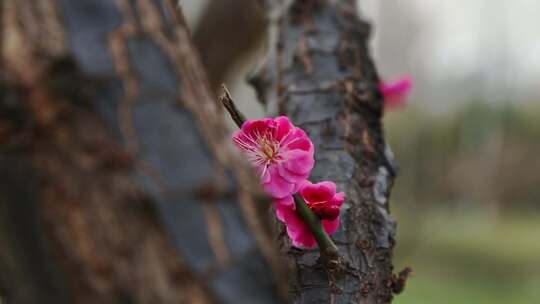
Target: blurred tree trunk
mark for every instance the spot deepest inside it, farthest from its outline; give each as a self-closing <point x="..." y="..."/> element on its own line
<point x="116" y="183"/>
<point x="228" y="31"/>
<point x="320" y="74"/>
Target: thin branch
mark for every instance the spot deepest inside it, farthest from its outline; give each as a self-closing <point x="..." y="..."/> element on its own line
<point x="329" y="250"/>
<point x="227" y="101"/>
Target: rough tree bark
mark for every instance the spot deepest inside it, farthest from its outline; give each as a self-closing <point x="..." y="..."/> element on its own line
<point x="116" y="184"/>
<point x="320" y="74"/>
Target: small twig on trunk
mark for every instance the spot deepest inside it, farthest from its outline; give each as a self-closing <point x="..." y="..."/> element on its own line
<point x="329" y="251"/>
<point x="398" y="281"/>
<point x="227" y="101"/>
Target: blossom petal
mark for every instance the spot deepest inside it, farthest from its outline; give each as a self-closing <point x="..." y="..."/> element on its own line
<point x="396" y="93"/>
<point x="264" y="174"/>
<point x="398" y="87"/>
<point x="292" y="177"/>
<point x="298" y="161"/>
<point x="338" y="199"/>
<point x="253" y="130"/>
<point x="283" y="127"/>
<point x="278" y="187"/>
<point x="283" y="205"/>
<point x="297" y="230"/>
<point x="240" y="140"/>
<point x="298" y="140"/>
<point x="331" y="226"/>
<point x="320" y="192"/>
<point x="302" y="239"/>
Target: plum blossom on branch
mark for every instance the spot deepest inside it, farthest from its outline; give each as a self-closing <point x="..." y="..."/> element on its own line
<point x="283" y="156"/>
<point x="323" y="200"/>
<point x="281" y="153"/>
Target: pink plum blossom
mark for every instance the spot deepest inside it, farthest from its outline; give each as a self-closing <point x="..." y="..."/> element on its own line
<point x="281" y="153"/>
<point x="323" y="200"/>
<point x="395" y="93"/>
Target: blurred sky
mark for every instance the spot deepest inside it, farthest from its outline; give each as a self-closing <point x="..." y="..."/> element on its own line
<point x="458" y="51"/>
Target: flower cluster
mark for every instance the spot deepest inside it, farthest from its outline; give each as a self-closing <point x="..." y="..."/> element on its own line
<point x="282" y="154"/>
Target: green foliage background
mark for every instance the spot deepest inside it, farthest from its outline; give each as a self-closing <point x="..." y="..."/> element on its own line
<point x="467" y="202"/>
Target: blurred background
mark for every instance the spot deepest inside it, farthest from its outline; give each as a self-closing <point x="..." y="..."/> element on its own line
<point x="467" y="200"/>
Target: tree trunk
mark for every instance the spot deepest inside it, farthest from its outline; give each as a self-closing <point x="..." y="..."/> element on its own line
<point x="116" y="182"/>
<point x="319" y="73"/>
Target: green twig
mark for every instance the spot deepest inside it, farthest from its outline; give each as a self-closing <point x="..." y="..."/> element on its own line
<point x="329" y="250"/>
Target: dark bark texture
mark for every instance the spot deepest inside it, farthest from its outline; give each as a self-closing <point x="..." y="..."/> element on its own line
<point x="116" y="182"/>
<point x="320" y="74"/>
